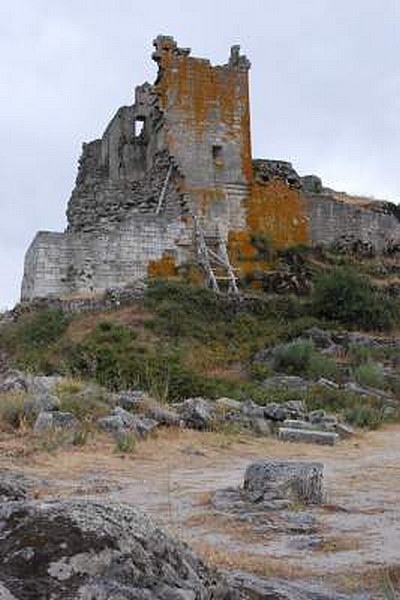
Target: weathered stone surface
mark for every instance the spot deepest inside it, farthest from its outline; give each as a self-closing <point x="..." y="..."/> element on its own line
<point x="273" y="480"/>
<point x="228" y="405"/>
<point x="121" y="421"/>
<point x="291" y="382"/>
<point x="320" y="417"/>
<point x="296" y="424"/>
<point x="162" y="415"/>
<point x="182" y="149"/>
<point x="196" y="413"/>
<point x="94" y="551"/>
<point x="294" y="409"/>
<point x="115" y="423"/>
<point x="252" y="410"/>
<point x="13" y="381"/>
<point x="13" y="487"/>
<point x="263" y="588"/>
<point x="131" y="399"/>
<point x="344" y="430"/>
<point x="48" y="421"/>
<point x="325" y="438"/>
<point x="260" y="426"/>
<point x="327" y="383"/>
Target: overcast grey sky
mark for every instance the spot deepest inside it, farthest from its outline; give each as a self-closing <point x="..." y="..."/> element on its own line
<point x="325" y="92"/>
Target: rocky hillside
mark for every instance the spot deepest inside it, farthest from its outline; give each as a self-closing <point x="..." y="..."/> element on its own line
<point x="309" y="352"/>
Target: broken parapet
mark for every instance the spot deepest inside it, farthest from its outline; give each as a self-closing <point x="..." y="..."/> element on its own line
<point x="295" y="481"/>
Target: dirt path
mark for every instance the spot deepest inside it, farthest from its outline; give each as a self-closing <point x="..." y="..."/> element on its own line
<point x="356" y="536"/>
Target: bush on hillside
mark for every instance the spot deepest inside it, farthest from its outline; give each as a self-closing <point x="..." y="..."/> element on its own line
<point x="301" y="358"/>
<point x="370" y="374"/>
<point x="34" y="341"/>
<point x="350" y="298"/>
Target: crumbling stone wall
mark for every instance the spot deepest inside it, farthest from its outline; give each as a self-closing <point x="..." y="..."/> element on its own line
<point x="100" y="202"/>
<point x="183" y="150"/>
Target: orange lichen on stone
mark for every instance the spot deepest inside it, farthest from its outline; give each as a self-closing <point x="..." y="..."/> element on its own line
<point x="200" y="99"/>
<point x="195" y="87"/>
<point x="243" y="254"/>
<point x="279" y="211"/>
<point x="273" y="211"/>
<point x="164" y="267"/>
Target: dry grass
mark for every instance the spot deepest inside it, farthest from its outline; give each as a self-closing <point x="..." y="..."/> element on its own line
<point x="338" y="544"/>
<point x="12" y="411"/>
<point x="264" y="565"/>
<point x="163" y="468"/>
<point x="134" y="316"/>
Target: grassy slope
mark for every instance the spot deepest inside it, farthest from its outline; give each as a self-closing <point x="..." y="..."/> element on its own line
<point x="180" y="341"/>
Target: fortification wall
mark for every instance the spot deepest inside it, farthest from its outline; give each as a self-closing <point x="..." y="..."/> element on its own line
<point x="183" y="150"/>
<point x="59" y="264"/>
<point x="331" y="222"/>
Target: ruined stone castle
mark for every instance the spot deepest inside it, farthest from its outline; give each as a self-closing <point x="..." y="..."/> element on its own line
<point x="177" y="159"/>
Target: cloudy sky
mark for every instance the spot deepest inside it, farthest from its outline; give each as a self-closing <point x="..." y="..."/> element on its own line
<point x="325" y="92"/>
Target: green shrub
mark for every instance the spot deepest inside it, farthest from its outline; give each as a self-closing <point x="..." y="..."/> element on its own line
<point x="366" y="417"/>
<point x="370" y="374"/>
<point x="348" y="297"/>
<point x="300" y="358"/>
<point x="359" y="354"/>
<point x="44" y="327"/>
<point x="294" y="358"/>
<point x="322" y="366"/>
<point x="104" y="354"/>
<point x="259" y="371"/>
<point x="34" y="342"/>
<point x="126" y="443"/>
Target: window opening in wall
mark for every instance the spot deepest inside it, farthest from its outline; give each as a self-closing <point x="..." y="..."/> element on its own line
<point x="218" y="156"/>
<point x="138" y="127"/>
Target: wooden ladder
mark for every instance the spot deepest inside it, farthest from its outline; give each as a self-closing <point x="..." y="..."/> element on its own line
<point x="208" y="259"/>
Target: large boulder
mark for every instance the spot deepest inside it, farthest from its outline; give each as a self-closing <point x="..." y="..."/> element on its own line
<point x="13" y="381"/>
<point x="131" y="399"/>
<point x="284" y="480"/>
<point x="122" y="421"/>
<point x="90" y="551"/>
<point x="162" y="415"/>
<point x="197" y="413"/>
<point x="39" y="390"/>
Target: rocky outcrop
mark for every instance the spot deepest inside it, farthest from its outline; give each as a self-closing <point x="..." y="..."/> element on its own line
<point x="92" y="551"/>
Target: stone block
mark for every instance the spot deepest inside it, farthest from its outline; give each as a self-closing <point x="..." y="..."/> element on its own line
<point x="310" y="436"/>
<point x="275" y="480"/>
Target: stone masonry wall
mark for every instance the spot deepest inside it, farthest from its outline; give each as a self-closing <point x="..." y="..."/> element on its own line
<point x="186" y="141"/>
<point x="100" y="203"/>
<point x="332" y="221"/>
<point x="59" y="264"/>
<point x="207" y="124"/>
